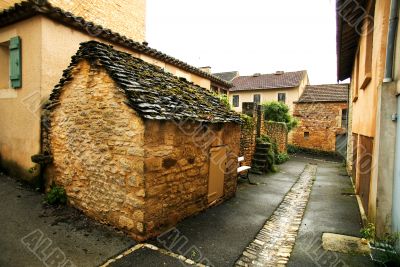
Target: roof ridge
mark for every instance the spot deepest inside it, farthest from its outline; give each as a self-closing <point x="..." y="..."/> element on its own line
<point x="46" y="8"/>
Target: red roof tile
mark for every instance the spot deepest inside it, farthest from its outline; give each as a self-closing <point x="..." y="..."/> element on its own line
<point x="325" y="93"/>
<point x="268" y="81"/>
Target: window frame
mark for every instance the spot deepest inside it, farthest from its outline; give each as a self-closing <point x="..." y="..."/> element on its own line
<point x="259" y="98"/>
<point x="284" y="97"/>
<point x="235" y="98"/>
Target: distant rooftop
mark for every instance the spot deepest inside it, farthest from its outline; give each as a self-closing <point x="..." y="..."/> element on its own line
<point x="279" y="79"/>
<point x="325" y="93"/>
<point x="227" y="76"/>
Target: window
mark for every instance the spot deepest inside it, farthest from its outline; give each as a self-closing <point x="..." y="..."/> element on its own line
<point x="344" y="118"/>
<point x="256" y="98"/>
<point x="282" y="97"/>
<point x="10" y="63"/>
<point x="4" y="66"/>
<point x="306" y="135"/>
<point x="366" y="47"/>
<point x="235" y="101"/>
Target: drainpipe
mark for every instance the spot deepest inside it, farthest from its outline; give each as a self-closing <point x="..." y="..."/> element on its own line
<point x="389" y="75"/>
<point x="393" y="20"/>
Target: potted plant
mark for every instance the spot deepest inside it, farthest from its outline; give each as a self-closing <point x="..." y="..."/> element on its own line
<point x="383" y="251"/>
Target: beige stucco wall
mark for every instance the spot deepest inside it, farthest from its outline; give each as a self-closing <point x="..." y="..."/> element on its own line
<point x="47" y="48"/>
<point x="292" y="94"/>
<point x="19" y="108"/>
<point x="366" y="116"/>
<point x="131" y="14"/>
<point x="364" y="108"/>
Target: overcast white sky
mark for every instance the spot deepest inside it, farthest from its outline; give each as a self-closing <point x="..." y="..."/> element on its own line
<point x="247" y="35"/>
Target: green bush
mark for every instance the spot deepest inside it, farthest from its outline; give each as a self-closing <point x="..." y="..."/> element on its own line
<point x="281" y="158"/>
<point x="291" y="149"/>
<point x="56" y="196"/>
<point x="279" y="112"/>
<point x="224" y="99"/>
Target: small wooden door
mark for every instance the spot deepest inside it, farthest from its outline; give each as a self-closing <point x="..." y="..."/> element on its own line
<point x="364" y="169"/>
<point x="216" y="173"/>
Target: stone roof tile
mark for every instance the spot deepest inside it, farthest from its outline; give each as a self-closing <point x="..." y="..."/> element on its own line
<point x="151" y="91"/>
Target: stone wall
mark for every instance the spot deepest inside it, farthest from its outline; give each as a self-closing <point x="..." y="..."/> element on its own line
<point x="248" y="141"/>
<point x="277" y="132"/>
<point x="176" y="169"/>
<point x="322" y="122"/>
<point x="97" y="143"/>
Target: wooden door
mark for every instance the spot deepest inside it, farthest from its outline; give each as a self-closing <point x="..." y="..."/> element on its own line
<point x="216" y="173"/>
<point x="364" y="169"/>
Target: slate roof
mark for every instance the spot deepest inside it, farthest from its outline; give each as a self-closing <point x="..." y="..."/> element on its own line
<point x="325" y="93"/>
<point x="227" y="76"/>
<point x="268" y="81"/>
<point x="152" y="92"/>
<point x="30" y="8"/>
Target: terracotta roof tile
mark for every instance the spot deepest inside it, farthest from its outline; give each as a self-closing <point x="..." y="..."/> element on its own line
<point x="151" y="91"/>
<point x="268" y="81"/>
<point x="325" y="93"/>
<point x="29" y="8"/>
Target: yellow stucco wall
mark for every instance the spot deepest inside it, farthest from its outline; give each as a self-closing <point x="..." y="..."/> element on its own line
<point x="20" y="108"/>
<point x="47" y="48"/>
<point x="364" y="108"/>
<point x="292" y="94"/>
<point x="131" y="14"/>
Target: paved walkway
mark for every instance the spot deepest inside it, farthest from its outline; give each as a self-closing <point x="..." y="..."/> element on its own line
<point x="274" y="243"/>
<point x="216" y="237"/>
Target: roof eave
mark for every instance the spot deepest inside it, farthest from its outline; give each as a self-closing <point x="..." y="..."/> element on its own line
<point x="26" y="9"/>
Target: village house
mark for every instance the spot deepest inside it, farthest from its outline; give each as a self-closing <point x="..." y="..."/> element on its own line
<point x="135" y="146"/>
<point x="322" y="114"/>
<point x="279" y="86"/>
<point x="368" y="49"/>
<point x="37" y="40"/>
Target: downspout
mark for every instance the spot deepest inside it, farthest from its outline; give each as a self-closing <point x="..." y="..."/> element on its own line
<point x="393" y="20"/>
<point x="389" y="77"/>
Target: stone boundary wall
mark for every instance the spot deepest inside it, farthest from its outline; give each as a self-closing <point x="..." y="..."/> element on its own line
<point x="278" y="133"/>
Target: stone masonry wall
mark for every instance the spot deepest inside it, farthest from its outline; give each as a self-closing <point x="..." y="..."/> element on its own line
<point x="248" y="141"/>
<point x="322" y="121"/>
<point x="97" y="143"/>
<point x="176" y="169"/>
<point x="278" y="133"/>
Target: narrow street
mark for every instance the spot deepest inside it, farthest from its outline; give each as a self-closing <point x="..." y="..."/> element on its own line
<point x="220" y="236"/>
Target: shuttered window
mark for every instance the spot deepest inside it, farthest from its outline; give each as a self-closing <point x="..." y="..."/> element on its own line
<point x="235" y="100"/>
<point x="15" y="62"/>
<point x="256" y="98"/>
<point x="282" y="97"/>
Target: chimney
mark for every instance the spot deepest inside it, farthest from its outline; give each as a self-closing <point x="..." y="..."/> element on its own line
<point x="256" y="74"/>
<point x="279" y="72"/>
<point x="206" y="69"/>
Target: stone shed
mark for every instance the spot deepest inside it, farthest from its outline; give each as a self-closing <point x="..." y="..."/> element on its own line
<point x="133" y="145"/>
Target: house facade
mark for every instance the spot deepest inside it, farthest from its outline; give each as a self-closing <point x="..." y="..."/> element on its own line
<point x="128" y="150"/>
<point x="37" y="40"/>
<point x="322" y="114"/>
<point x="368" y="51"/>
<point x="279" y="86"/>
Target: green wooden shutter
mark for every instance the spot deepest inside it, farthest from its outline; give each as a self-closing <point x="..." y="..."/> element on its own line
<point x="15" y="62"/>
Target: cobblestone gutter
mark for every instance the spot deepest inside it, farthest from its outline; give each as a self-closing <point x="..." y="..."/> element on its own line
<point x="275" y="241"/>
